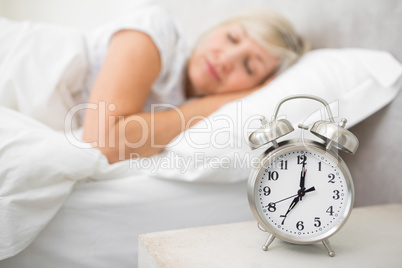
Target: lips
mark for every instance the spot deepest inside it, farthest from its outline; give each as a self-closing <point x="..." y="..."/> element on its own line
<point x="211" y="70"/>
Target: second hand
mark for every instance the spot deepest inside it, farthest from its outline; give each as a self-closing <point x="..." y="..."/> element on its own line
<point x="308" y="190"/>
<point x="284" y="199"/>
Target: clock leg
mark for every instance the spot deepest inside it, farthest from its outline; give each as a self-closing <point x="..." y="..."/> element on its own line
<point x="271" y="238"/>
<point x="328" y="246"/>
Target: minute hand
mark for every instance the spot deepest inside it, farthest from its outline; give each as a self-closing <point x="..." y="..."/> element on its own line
<point x="302" y="179"/>
<point x="295" y="201"/>
<point x="292" y="205"/>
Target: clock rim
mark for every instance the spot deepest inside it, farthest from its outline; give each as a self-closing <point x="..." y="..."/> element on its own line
<point x="268" y="156"/>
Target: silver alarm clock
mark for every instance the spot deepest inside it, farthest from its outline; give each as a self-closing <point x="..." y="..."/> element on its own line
<point x="302" y="191"/>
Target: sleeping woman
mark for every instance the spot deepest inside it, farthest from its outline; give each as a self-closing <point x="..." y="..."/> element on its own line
<point x="141" y="60"/>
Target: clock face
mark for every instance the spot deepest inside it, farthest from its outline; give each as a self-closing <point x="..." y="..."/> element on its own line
<point x="302" y="194"/>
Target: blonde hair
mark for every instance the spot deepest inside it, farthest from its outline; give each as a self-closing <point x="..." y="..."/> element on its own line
<point x="273" y="32"/>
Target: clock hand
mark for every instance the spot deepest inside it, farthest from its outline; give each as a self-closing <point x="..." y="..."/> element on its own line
<point x="284" y="199"/>
<point x="306" y="191"/>
<point x="292" y="205"/>
<point x="302" y="178"/>
<point x="295" y="201"/>
<point x="310" y="189"/>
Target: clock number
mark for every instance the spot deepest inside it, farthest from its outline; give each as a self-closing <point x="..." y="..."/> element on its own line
<point x="336" y="196"/>
<point x="273" y="175"/>
<point x="301" y="159"/>
<point x="271" y="207"/>
<point x="300" y="226"/>
<point x="319" y="166"/>
<point x="331" y="177"/>
<point x="317" y="222"/>
<point x="284" y="164"/>
<point x="330" y="210"/>
<point x="266" y="190"/>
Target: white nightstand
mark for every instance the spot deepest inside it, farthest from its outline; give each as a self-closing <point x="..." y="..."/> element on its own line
<point x="372" y="237"/>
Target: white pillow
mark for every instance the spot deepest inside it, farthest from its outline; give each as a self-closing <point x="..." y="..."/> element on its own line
<point x="356" y="83"/>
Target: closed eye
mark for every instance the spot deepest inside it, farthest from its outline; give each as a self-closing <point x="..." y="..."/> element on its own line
<point x="247" y="65"/>
<point x="232" y="39"/>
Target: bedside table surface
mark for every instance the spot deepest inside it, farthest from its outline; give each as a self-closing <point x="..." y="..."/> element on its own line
<point x="372" y="237"/>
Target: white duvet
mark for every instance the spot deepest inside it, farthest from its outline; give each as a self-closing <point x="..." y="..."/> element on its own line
<point x="41" y="68"/>
<point x="42" y="71"/>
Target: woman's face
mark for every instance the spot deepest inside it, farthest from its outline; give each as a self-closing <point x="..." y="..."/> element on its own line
<point x="228" y="60"/>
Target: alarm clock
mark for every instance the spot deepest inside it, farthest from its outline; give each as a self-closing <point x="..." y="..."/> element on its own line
<point x="301" y="191"/>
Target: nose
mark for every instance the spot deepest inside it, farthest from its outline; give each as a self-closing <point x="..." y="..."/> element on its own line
<point x="228" y="58"/>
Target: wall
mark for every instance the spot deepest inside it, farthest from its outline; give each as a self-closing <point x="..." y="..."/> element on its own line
<point x="84" y="14"/>
<point x="352" y="24"/>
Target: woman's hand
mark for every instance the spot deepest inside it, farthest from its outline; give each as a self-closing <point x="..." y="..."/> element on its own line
<point x="146" y="134"/>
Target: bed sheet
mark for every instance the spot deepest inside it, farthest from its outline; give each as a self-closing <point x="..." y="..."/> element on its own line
<point x="98" y="225"/>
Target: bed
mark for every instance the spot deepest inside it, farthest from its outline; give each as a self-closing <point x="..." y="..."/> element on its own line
<point x="99" y="215"/>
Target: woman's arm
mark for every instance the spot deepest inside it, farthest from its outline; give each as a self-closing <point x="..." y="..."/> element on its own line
<point x="131" y="66"/>
<point x="146" y="134"/>
<point x="118" y="127"/>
